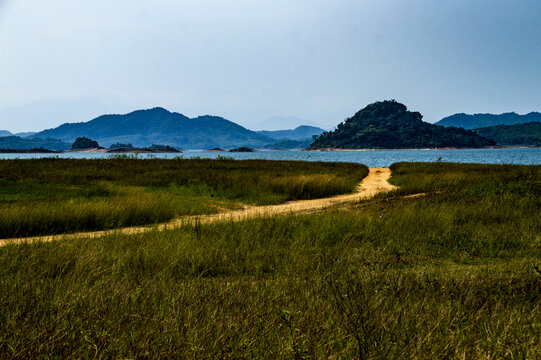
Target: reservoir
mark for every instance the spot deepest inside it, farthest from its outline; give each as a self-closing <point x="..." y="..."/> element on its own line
<point x="371" y="158"/>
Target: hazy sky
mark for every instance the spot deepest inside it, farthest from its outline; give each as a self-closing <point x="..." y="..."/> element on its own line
<point x="265" y="63"/>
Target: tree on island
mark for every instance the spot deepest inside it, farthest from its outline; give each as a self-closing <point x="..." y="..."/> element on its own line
<point x="121" y="146"/>
<point x="84" y="143"/>
<point x="162" y="147"/>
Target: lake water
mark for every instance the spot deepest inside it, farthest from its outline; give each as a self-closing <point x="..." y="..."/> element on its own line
<point x="371" y="158"/>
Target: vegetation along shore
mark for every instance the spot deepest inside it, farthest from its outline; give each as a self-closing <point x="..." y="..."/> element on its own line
<point x="447" y="265"/>
<point x="51" y="196"/>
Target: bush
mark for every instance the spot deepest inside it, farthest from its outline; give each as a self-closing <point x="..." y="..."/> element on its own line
<point x="84" y="143"/>
<point x="121" y="146"/>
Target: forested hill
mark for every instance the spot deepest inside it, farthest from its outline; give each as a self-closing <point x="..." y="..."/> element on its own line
<point x="159" y="126"/>
<point x="519" y="134"/>
<point x="389" y="124"/>
<point x="467" y="121"/>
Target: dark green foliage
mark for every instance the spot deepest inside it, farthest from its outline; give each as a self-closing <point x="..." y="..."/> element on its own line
<point x="448" y="275"/>
<point x="520" y="134"/>
<point x="47" y="196"/>
<point x="16" y="142"/>
<point x="121" y="146"/>
<point x="467" y="121"/>
<point x="159" y="126"/>
<point x="82" y="143"/>
<point x="152" y="149"/>
<point x="162" y="147"/>
<point x="388" y="124"/>
<point x="242" y="149"/>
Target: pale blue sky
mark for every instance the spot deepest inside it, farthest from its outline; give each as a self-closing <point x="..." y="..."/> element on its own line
<point x="310" y="61"/>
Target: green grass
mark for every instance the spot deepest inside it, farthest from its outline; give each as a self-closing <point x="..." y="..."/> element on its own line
<point x="50" y="196"/>
<point x="453" y="274"/>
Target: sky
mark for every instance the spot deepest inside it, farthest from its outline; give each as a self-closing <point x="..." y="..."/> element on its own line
<point x="265" y="64"/>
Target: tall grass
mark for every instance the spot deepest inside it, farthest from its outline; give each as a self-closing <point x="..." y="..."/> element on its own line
<point x="218" y="175"/>
<point x="446" y="275"/>
<point x="474" y="178"/>
<point x="48" y="196"/>
<point x="305" y="186"/>
<point x="79" y="215"/>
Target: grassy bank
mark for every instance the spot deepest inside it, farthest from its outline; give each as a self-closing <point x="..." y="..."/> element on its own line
<point x="453" y="274"/>
<point x="49" y="196"/>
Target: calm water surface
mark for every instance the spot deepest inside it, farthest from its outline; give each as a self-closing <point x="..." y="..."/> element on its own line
<point x="371" y="158"/>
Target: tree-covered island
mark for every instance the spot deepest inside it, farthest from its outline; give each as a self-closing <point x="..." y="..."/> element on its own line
<point x="390" y="125"/>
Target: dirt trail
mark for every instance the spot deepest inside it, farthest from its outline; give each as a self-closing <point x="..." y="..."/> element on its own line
<point x="374" y="183"/>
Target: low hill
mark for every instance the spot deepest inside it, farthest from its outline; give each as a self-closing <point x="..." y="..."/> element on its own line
<point x="300" y="133"/>
<point x="519" y="134"/>
<point x="389" y="124"/>
<point x="20" y="134"/>
<point x="16" y="142"/>
<point x="467" y="121"/>
<point x="25" y="133"/>
<point x="159" y="126"/>
<point x="291" y="144"/>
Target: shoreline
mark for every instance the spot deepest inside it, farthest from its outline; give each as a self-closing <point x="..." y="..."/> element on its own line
<point x="424" y="149"/>
<point x="146" y="151"/>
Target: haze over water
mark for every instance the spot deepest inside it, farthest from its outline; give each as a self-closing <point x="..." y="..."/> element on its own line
<point x="371" y="158"/>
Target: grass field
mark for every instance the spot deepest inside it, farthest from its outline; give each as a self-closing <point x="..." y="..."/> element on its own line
<point x="50" y="196"/>
<point x="451" y="274"/>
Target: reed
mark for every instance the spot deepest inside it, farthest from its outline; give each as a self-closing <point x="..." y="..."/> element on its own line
<point x="51" y="196"/>
<point x="452" y="274"/>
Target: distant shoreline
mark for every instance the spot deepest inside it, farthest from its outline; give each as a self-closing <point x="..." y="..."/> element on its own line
<point x="152" y="151"/>
<point x="96" y="150"/>
<point x="30" y="151"/>
<point x="443" y="148"/>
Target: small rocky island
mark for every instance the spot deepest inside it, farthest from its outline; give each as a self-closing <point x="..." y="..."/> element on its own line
<point x="84" y="144"/>
<point x="88" y="145"/>
<point x="152" y="149"/>
<point x="242" y="149"/>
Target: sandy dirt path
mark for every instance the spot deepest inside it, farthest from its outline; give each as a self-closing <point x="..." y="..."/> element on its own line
<point x="374" y="183"/>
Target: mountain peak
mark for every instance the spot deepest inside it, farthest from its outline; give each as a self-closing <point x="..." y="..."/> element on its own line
<point x="156" y="110"/>
<point x="386" y="107"/>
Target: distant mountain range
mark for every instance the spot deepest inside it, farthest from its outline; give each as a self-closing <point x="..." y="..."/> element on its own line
<point x="298" y="138"/>
<point x="16" y="142"/>
<point x="21" y="134"/>
<point x="385" y="124"/>
<point x="389" y="124"/>
<point x="467" y="121"/>
<point x="159" y="126"/>
<point x="300" y="133"/>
